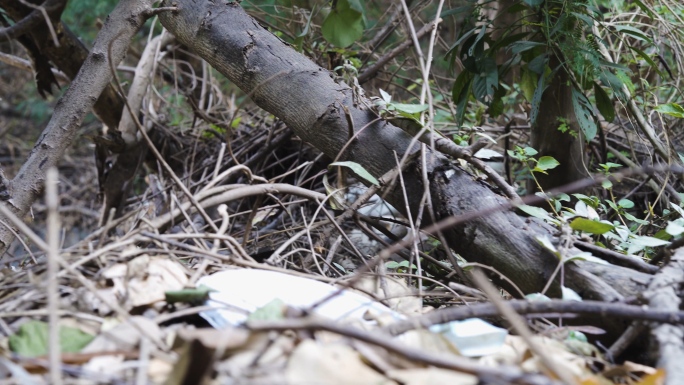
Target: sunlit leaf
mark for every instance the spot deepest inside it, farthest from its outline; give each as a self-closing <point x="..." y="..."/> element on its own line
<point x="358" y="170"/>
<point x="410" y="108"/>
<point x="674" y="228"/>
<point x="547" y="163"/>
<point x="343" y="25"/>
<point x="672" y="109"/>
<point x="589" y="226"/>
<point x="647" y="241"/>
<point x="32" y="339"/>
<point x="385" y="96"/>
<point x="272" y="311"/>
<point x="536" y="212"/>
<point x="633" y="32"/>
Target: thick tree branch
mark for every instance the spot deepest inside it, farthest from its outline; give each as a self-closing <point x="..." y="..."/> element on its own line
<point x="308" y="99"/>
<point x="32" y="20"/>
<point x="94" y="76"/>
<point x="68" y="56"/>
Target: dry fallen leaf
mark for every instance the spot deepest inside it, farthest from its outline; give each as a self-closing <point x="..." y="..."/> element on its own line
<point x="330" y="364"/>
<point x="125" y="336"/>
<point x="144" y="280"/>
<point x="431" y="376"/>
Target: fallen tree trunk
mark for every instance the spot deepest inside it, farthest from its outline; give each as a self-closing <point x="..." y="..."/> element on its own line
<point x="309" y="100"/>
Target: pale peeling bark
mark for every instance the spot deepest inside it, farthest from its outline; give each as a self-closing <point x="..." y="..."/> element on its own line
<point x="307" y="98"/>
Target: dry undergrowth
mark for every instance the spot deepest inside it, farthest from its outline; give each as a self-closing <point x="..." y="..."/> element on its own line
<point x="267" y="213"/>
<point x="265" y="206"/>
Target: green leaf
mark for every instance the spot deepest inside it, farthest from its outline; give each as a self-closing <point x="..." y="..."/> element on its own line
<point x="674" y="228"/>
<point x="398" y="265"/>
<point x="343" y="26"/>
<point x="672" y="109"/>
<point x="625" y="203"/>
<point x="584" y="115"/>
<point x="486" y="81"/>
<point x="635" y="219"/>
<point x="648" y="241"/>
<point x="536" y="212"/>
<point x="350" y="4"/>
<point x="624" y="78"/>
<point x="614" y="82"/>
<point x="547" y="163"/>
<point x="645" y="9"/>
<point x="633" y="32"/>
<point x="358" y="170"/>
<point x="589" y="226"/>
<point x="496" y="106"/>
<point x="546" y="242"/>
<point x="603" y="103"/>
<point x="409" y="108"/>
<point x="529" y="151"/>
<point x="193" y="296"/>
<point x="32" y="339"/>
<point x="587" y="256"/>
<point x="536" y="99"/>
<point x="305" y="31"/>
<point x="647" y="59"/>
<point x="522" y="46"/>
<point x="533" y="3"/>
<point x="272" y="311"/>
<point x="460" y="93"/>
<point x="528" y="82"/>
<point x="385" y="96"/>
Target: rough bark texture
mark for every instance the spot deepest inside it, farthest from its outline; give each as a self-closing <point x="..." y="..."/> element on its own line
<point x="93" y="77"/>
<point x="309" y="100"/>
<point x="68" y="57"/>
<point x="549" y="141"/>
<point x="664" y="293"/>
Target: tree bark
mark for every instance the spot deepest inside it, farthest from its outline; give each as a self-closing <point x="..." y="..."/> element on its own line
<point x="93" y="77"/>
<point x="68" y="57"/>
<point x="309" y="100"/>
<point x="566" y="147"/>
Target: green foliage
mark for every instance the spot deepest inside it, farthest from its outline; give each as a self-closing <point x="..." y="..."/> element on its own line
<point x="82" y="15"/>
<point x="671" y="109"/>
<point x="272" y="311"/>
<point x="344" y="24"/>
<point x="32" y="339"/>
<point x="572" y="32"/>
<point x="387" y="108"/>
<point x="526" y="156"/>
<point x="358" y="170"/>
<point x="589" y="226"/>
<point x="196" y="295"/>
<point x="400" y="267"/>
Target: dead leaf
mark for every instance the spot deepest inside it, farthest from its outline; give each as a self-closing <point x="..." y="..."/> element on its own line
<point x="330" y="364"/>
<point x="145" y="280"/>
<point x="125" y="336"/>
<point x="431" y="376"/>
<point x="398" y="295"/>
